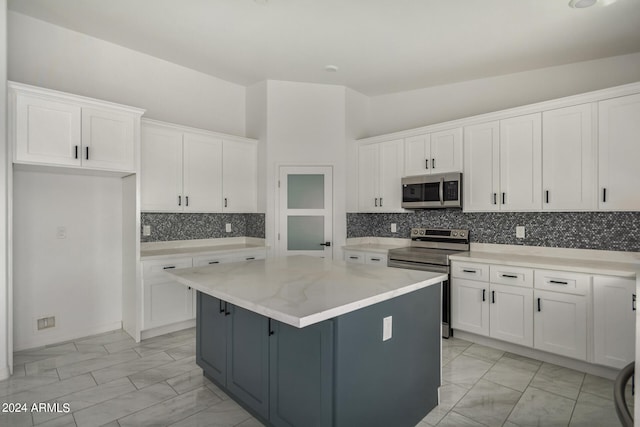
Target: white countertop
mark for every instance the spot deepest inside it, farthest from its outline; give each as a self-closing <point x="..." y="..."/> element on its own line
<point x="159" y="250"/>
<point x="303" y="290"/>
<point x="371" y="247"/>
<point x="580" y="265"/>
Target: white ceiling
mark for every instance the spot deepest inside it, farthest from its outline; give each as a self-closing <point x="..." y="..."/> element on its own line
<point x="380" y="46"/>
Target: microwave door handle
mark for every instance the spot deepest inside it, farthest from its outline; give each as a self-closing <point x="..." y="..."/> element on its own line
<point x="441" y="192"/>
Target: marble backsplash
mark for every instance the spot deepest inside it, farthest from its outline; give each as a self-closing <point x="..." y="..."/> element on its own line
<point x="614" y="231"/>
<point x="190" y="226"/>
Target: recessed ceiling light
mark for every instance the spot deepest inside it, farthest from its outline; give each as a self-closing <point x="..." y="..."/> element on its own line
<point x="581" y="4"/>
<point x="331" y="68"/>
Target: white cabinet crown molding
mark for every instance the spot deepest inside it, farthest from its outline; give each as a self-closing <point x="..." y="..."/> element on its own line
<point x="583" y="98"/>
<point x="166" y="125"/>
<point x="84" y="101"/>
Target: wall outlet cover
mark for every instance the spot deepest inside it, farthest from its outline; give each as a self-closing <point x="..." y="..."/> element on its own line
<point x="520" y="232"/>
<point x="228" y="228"/>
<point x="146" y="230"/>
<point x="387" y="328"/>
<point x="394" y="228"/>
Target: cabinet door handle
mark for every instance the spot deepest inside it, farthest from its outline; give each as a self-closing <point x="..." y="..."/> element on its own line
<point x="226" y="309"/>
<point x="179" y="200"/>
<point x="546" y="195"/>
<point x="87" y="151"/>
<point x="169" y="267"/>
<point x="375" y="202"/>
<point x="504" y="195"/>
<point x="186" y="200"/>
<point x="604" y="195"/>
<point x="76" y="152"/>
<point x="225" y="202"/>
<point x="380" y="201"/>
<point x="493" y="297"/>
<point x="189" y="287"/>
<point x="509" y="276"/>
<point x="469" y="271"/>
<point x="214" y="262"/>
<point x="539" y="308"/>
<point x="433" y="163"/>
<point x="484" y="291"/>
<point x="426" y="163"/>
<point x="495" y="198"/>
<point x="220" y="307"/>
<point x="270" y="329"/>
<point x="558" y="282"/>
<point x="633" y="302"/>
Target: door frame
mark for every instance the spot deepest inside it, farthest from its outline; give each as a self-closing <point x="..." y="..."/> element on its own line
<point x="276" y="220"/>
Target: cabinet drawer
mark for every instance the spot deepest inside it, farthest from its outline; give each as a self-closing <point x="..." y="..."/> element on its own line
<point x="354" y="257"/>
<point x="509" y="275"/>
<point x="376" y="259"/>
<point x="561" y="281"/>
<point x="470" y="271"/>
<point x="248" y="256"/>
<point x="203" y="260"/>
<point x="154" y="270"/>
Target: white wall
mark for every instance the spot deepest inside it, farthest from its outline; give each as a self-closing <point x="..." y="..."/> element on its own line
<point x="412" y="109"/>
<point x="5" y="294"/>
<point x="46" y="55"/>
<point x="357" y="113"/>
<point x="78" y="279"/>
<point x="257" y="129"/>
<point x="305" y="125"/>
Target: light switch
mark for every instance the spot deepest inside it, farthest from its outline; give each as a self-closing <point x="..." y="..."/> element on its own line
<point x="228" y="228"/>
<point x="146" y="230"/>
<point x="394" y="228"/>
<point x="520" y="232"/>
<point x="61" y="232"/>
<point x="387" y="328"/>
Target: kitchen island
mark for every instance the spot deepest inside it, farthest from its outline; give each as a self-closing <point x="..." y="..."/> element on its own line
<point x="304" y="341"/>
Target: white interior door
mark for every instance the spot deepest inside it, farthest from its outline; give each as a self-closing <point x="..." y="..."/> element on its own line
<point x="305" y="211"/>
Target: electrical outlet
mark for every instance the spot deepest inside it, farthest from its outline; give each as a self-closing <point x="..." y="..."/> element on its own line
<point x="520" y="232"/>
<point x="394" y="228"/>
<point x="387" y="328"/>
<point x="61" y="232"/>
<point x="228" y="228"/>
<point x="146" y="230"/>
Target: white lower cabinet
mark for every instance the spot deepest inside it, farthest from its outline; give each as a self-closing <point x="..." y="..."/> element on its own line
<point x="560" y="324"/>
<point x="614" y="320"/>
<point x="469" y="306"/>
<point x="511" y="314"/>
<point x="363" y="257"/>
<point x="165" y="301"/>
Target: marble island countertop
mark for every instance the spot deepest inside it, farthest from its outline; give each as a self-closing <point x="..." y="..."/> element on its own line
<point x="303" y="290"/>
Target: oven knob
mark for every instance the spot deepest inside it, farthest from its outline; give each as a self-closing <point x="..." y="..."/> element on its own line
<point x="422" y="232"/>
<point x="462" y="234"/>
<point x="455" y="233"/>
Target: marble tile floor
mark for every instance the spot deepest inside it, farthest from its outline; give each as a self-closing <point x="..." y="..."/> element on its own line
<point x="109" y="380"/>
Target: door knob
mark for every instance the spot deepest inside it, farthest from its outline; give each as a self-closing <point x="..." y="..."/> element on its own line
<point x="325" y="244"/>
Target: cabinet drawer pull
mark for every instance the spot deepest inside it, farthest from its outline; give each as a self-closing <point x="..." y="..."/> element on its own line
<point x="168" y="267"/>
<point x="354" y="257"/>
<point x="469" y="271"/>
<point x="558" y="282"/>
<point x="250" y="258"/>
<point x="539" y="308"/>
<point x="633" y="302"/>
<point x="509" y="276"/>
<point x="214" y="262"/>
<point x="484" y="291"/>
<point x="493" y="297"/>
<point x="376" y="259"/>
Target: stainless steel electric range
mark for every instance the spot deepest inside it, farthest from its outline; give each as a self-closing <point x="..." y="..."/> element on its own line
<point x="429" y="251"/>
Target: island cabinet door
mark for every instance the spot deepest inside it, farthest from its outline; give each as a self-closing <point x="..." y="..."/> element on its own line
<point x="301" y="375"/>
<point x="248" y="359"/>
<point x="211" y="342"/>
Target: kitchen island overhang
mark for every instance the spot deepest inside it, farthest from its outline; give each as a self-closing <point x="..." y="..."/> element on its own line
<point x="306" y="341"/>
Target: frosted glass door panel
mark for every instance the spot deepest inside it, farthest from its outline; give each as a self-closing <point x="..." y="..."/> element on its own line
<point x="305" y="233"/>
<point x="305" y="191"/>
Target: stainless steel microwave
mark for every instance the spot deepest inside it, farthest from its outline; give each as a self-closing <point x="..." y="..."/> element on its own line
<point x="432" y="191"/>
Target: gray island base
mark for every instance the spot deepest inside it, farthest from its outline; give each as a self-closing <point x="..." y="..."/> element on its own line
<point x="342" y="371"/>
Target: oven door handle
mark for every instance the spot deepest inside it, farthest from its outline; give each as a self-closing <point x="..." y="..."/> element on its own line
<point x="441" y="192"/>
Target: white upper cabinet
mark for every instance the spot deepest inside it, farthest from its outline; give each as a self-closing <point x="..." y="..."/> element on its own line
<point x="521" y="163"/>
<point x="185" y="170"/>
<point x="619" y="152"/>
<point x="437" y="152"/>
<point x="240" y="175"/>
<point x="202" y="173"/>
<point x="380" y="169"/>
<point x="568" y="159"/>
<point x="481" y="177"/>
<point x="58" y="129"/>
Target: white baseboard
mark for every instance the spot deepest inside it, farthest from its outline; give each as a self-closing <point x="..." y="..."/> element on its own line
<point x="150" y="333"/>
<point x="577" y="365"/>
<point x="4" y="373"/>
<point x="36" y="340"/>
